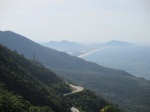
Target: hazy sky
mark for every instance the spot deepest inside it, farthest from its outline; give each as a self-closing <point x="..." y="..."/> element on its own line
<point x="77" y="20"/>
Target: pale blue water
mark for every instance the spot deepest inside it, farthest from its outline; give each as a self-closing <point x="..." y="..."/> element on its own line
<point x="133" y="59"/>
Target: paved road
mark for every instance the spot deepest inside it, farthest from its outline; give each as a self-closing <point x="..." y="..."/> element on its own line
<point x="76" y="89"/>
<point x="74" y="109"/>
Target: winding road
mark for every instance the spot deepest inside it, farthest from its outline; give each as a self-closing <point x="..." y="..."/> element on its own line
<point x="76" y="89"/>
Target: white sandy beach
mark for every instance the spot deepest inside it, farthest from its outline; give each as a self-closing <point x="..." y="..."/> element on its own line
<point x="88" y="53"/>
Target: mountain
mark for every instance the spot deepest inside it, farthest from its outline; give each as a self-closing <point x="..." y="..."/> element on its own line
<point x="117" y="43"/>
<point x="27" y="86"/>
<point x="64" y="45"/>
<point x="77" y="49"/>
<point x="117" y="86"/>
<point x="49" y="57"/>
<point x="112" y="43"/>
<point x="71" y="48"/>
<point x="31" y="84"/>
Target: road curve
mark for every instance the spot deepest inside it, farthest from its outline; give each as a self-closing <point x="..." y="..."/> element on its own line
<point x="76" y="89"/>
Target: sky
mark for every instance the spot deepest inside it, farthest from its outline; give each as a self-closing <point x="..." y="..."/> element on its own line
<point x="85" y="21"/>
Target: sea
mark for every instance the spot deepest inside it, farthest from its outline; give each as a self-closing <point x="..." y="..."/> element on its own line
<point x="133" y="59"/>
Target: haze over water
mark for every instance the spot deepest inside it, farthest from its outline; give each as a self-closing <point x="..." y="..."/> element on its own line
<point x="133" y="59"/>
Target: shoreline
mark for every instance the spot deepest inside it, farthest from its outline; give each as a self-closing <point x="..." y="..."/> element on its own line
<point x="88" y="53"/>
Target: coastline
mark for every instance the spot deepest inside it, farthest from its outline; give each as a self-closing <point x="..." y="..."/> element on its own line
<point x="88" y="53"/>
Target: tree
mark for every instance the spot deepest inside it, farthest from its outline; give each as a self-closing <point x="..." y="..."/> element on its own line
<point x="109" y="108"/>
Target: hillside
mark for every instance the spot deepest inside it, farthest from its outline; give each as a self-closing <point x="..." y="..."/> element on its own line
<point x="116" y="85"/>
<point x="85" y="98"/>
<point x="32" y="82"/>
<point x="27" y="86"/>
<point x="49" y="57"/>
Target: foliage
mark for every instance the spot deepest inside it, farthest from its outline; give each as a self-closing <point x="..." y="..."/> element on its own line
<point x="89" y="102"/>
<point x="116" y="85"/>
<point x="9" y="102"/>
<point x="123" y="90"/>
<point x="27" y="86"/>
<point x="109" y="108"/>
<point x="25" y="79"/>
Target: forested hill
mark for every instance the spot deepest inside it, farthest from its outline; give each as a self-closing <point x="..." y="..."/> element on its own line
<point x="33" y="84"/>
<point x="49" y="57"/>
<point x="27" y="86"/>
<point x="118" y="86"/>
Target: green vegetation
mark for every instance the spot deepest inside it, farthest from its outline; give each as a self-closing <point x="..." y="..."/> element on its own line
<point x="108" y="108"/>
<point x="15" y="103"/>
<point x="27" y="86"/>
<point x="130" y="93"/>
<point x="49" y="57"/>
<point x="32" y="82"/>
<point x="88" y="101"/>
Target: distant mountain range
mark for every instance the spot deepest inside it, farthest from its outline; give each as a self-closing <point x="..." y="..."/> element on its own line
<point x="118" y="86"/>
<point x="117" y="43"/>
<point x="77" y="49"/>
<point x="61" y="45"/>
<point x="71" y="48"/>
